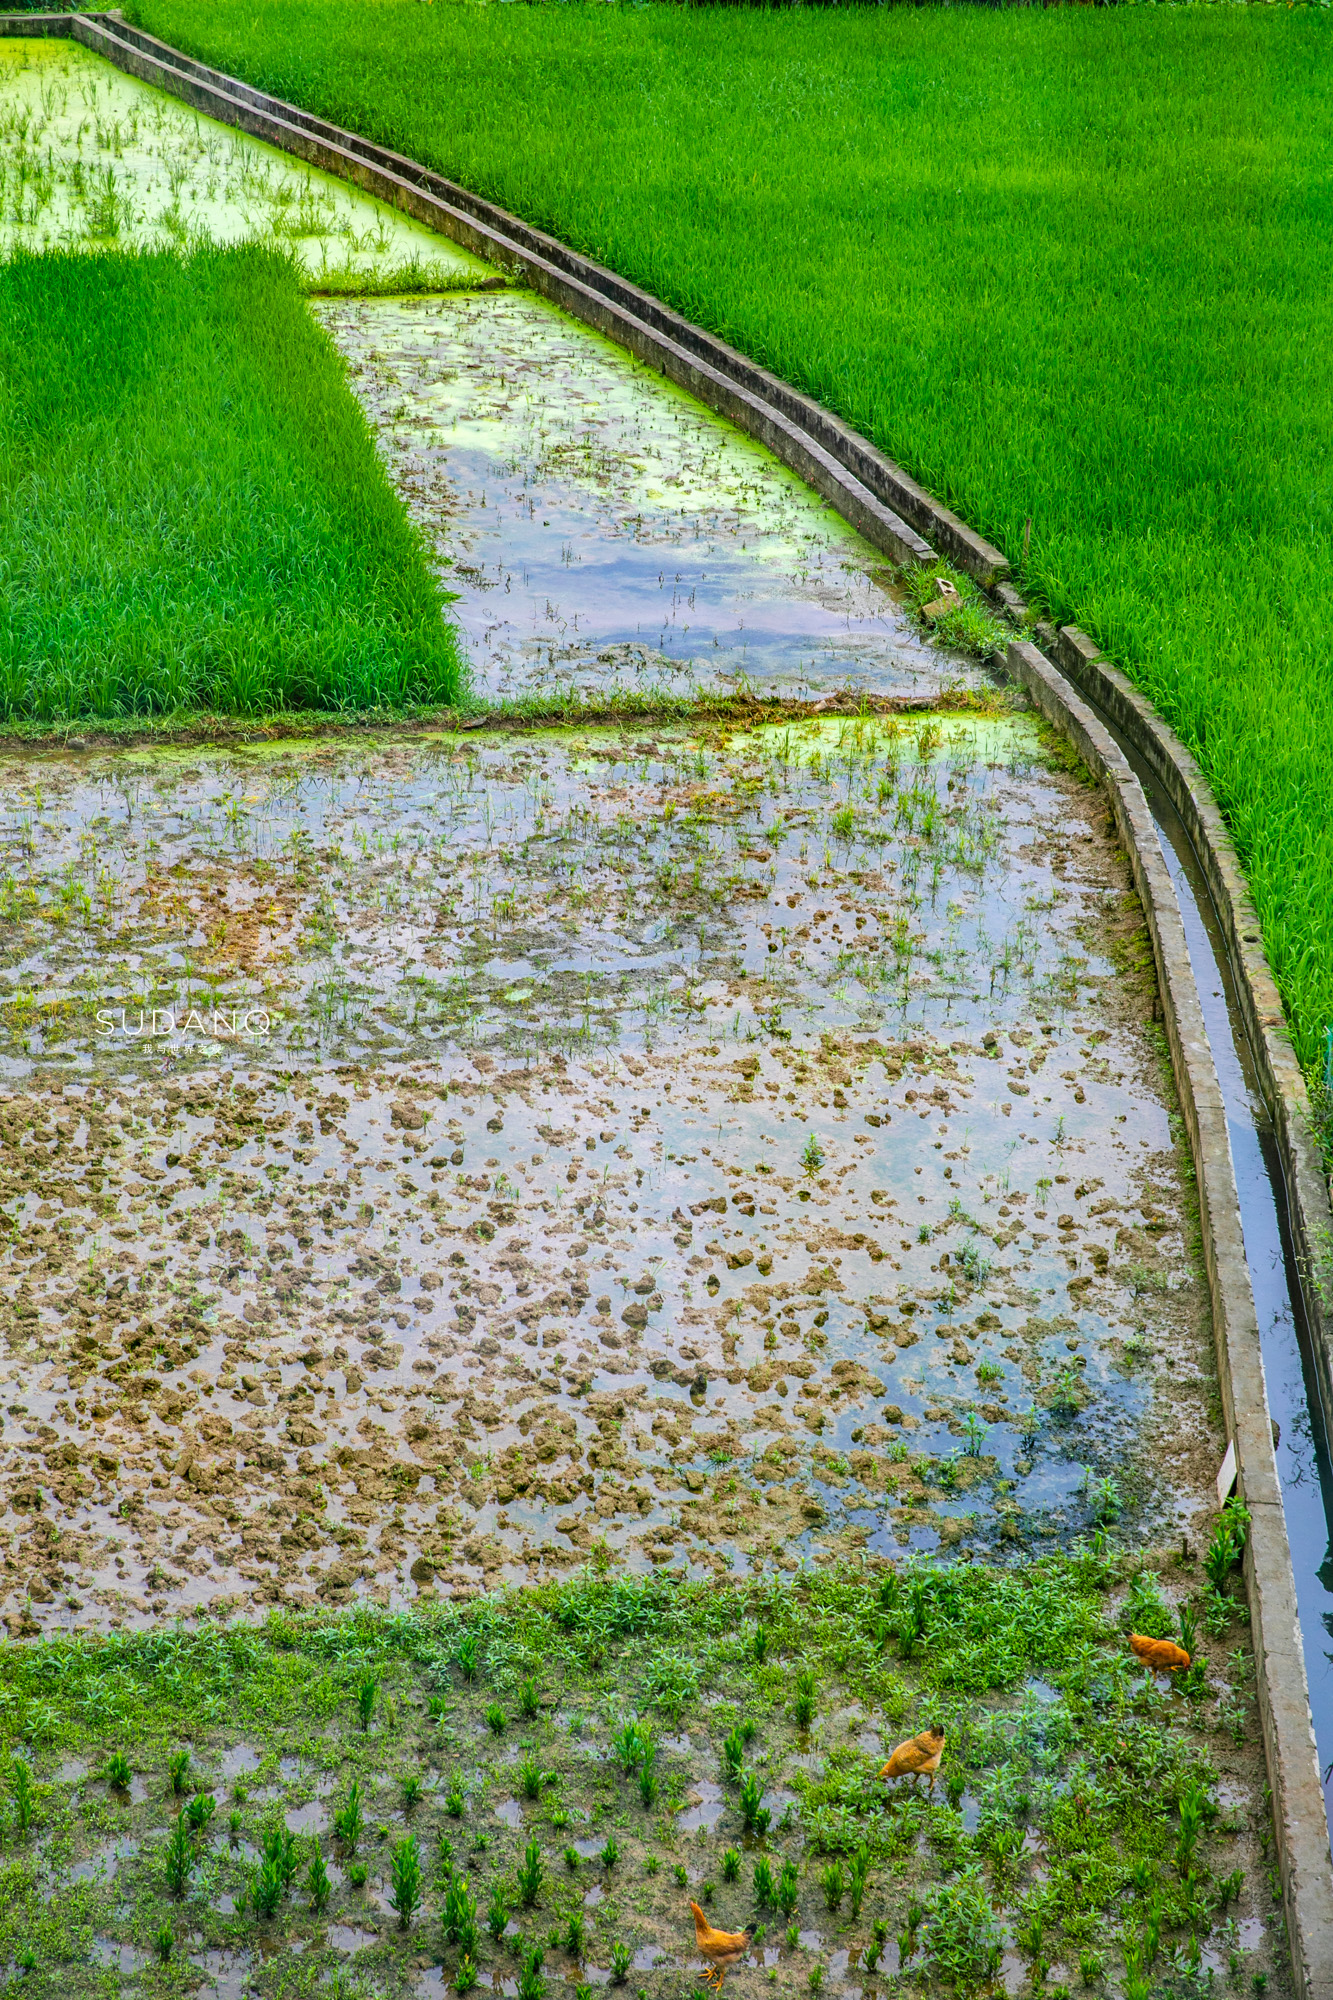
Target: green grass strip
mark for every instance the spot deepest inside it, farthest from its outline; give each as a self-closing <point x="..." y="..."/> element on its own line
<point x="192" y="514"/>
<point x="1064" y="264"/>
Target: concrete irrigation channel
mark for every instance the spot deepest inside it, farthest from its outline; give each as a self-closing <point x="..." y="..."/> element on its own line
<point x="763" y="1133"/>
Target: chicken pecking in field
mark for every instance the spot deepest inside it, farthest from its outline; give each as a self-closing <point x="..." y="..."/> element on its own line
<point x="720" y="1948"/>
<point x="918" y="1757"/>
<point x="1159" y="1654"/>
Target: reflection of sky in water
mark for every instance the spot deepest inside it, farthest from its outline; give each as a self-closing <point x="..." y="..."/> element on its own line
<point x="605" y="528"/>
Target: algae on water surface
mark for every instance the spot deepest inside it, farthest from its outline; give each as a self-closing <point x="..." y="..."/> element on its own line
<point x="92" y="159"/>
<point x="603" y="529"/>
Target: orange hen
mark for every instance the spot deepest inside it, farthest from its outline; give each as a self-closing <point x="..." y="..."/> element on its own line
<point x="1159" y="1654"/>
<point x="918" y="1757"/>
<point x="720" y="1948"/>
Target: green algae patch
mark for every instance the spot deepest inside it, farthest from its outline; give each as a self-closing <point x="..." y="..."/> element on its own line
<point x="93" y="160"/>
<point x="557" y="1771"/>
<point x="193" y="514"/>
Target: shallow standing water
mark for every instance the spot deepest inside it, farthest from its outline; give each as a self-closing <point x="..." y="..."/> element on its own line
<point x="430" y="1160"/>
<point x="604" y="531"/>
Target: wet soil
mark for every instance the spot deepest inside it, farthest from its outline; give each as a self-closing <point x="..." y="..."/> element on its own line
<point x="602" y="529"/>
<point x="429" y="1164"/>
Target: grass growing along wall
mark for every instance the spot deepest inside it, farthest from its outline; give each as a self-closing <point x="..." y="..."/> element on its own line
<point x="1065" y="264"/>
<point x="192" y="515"/>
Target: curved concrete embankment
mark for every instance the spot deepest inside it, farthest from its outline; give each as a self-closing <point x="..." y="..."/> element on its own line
<point x="893" y="512"/>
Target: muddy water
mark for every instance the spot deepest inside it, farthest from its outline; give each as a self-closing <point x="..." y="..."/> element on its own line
<point x="93" y="159"/>
<point x="602" y="529"/>
<point x="723" y="1148"/>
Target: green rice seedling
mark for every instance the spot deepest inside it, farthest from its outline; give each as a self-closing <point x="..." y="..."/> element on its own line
<point x="117" y="1772"/>
<point x="572" y="1858"/>
<point x="411" y="1792"/>
<point x="1193" y="1807"/>
<point x="179" y="1858"/>
<point x="531" y="1875"/>
<point x="759" y="1644"/>
<point x="731" y="1864"/>
<point x="357" y="1874"/>
<point x="574" y="1934"/>
<point x="164" y="1942"/>
<point x="496" y="1719"/>
<point x="318" y="1883"/>
<point x="497" y="1912"/>
<point x="803" y="1708"/>
<point x="178" y="1771"/>
<point x="649" y="1785"/>
<point x="528" y="1700"/>
<point x="733" y="1756"/>
<point x="200" y="1811"/>
<point x="266" y="1890"/>
<point x="629" y="1746"/>
<point x="280" y="1852"/>
<point x="1090" y="1967"/>
<point x="530" y="1777"/>
<point x="347" y="1820"/>
<point x="788" y="1889"/>
<point x="466" y="1656"/>
<point x="458" y="1917"/>
<point x="23" y="1795"/>
<point x="621" y="1960"/>
<point x="764" y="1889"/>
<point x="405" y="1880"/>
<point x="756" y="1815"/>
<point x="465" y="1978"/>
<point x="455" y="1798"/>
<point x="975" y="1433"/>
<point x="367" y="1689"/>
<point x="610" y="1853"/>
<point x="235" y="1825"/>
<point x="858" y="1876"/>
<point x="834" y="1884"/>
<point x="651" y="1864"/>
<point x="814" y="1979"/>
<point x="680" y="1875"/>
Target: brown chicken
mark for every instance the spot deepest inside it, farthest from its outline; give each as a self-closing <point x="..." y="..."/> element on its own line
<point x="1159" y="1654"/>
<point x="918" y="1757"/>
<point x="720" y="1948"/>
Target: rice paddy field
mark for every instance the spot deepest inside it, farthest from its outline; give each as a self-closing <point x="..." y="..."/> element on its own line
<point x="570" y="1275"/>
<point x="1068" y="266"/>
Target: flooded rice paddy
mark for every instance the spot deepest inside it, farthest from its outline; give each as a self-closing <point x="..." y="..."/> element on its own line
<point x="432" y="1162"/>
<point x="92" y="159"/>
<point x="603" y="530"/>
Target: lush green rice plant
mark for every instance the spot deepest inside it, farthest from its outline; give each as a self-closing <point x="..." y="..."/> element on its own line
<point x="192" y="514"/>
